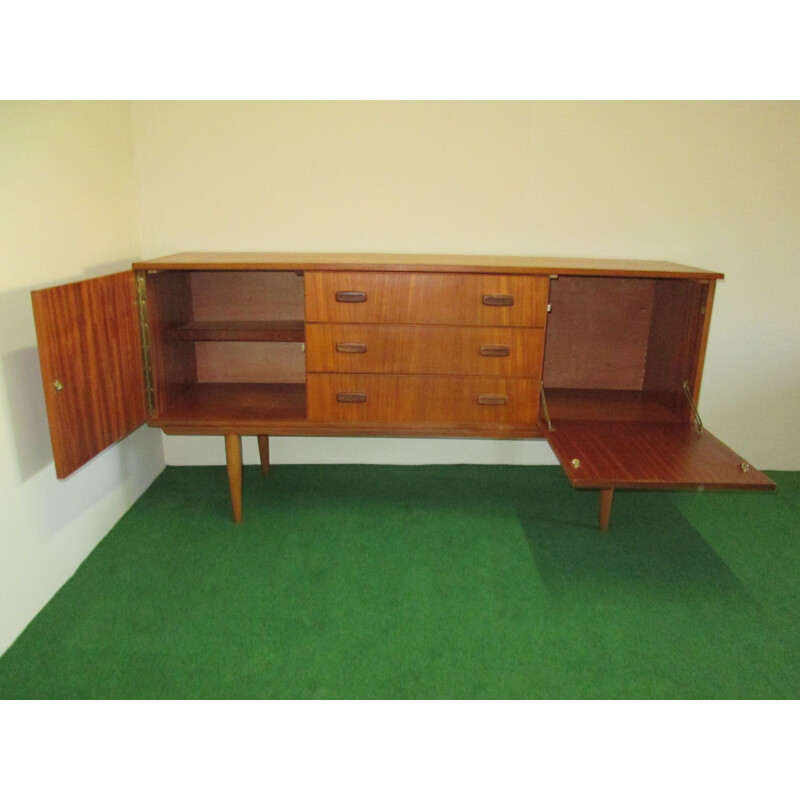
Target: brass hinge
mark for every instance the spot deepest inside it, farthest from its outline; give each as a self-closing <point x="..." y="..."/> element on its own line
<point x="544" y="409"/>
<point x="144" y="328"/>
<point x="698" y="423"/>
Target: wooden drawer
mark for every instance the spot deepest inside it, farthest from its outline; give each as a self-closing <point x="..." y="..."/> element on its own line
<point x="424" y="349"/>
<point x="426" y="298"/>
<point x="422" y="399"/>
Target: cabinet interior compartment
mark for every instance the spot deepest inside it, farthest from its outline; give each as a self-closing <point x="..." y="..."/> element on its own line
<point x="621" y="348"/>
<point x="227" y="344"/>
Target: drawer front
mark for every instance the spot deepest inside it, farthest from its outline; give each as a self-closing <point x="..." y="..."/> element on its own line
<point x="456" y="299"/>
<point x="424" y="349"/>
<point x="422" y="399"/>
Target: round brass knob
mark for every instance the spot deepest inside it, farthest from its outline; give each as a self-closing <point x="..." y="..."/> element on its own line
<point x="576" y="463"/>
<point x="57" y="385"/>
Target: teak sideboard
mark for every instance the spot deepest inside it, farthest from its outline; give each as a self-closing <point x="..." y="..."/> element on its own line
<point x="602" y="358"/>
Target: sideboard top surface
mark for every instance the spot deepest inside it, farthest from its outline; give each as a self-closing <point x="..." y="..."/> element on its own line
<point x="421" y="262"/>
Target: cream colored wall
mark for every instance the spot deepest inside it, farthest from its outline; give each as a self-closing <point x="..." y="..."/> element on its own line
<point x="713" y="185"/>
<point x="67" y="210"/>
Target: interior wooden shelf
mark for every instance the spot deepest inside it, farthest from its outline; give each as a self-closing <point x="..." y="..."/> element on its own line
<point x="613" y="404"/>
<point x="233" y="404"/>
<point x="242" y="331"/>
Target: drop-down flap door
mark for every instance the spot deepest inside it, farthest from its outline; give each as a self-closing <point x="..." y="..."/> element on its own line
<point x="614" y="454"/>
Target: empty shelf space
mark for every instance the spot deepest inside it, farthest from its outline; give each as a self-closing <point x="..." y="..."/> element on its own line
<point x="241" y="331"/>
<point x="230" y="404"/>
<point x="612" y="404"/>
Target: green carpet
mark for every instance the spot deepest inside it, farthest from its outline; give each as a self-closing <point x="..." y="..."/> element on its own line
<point x="425" y="582"/>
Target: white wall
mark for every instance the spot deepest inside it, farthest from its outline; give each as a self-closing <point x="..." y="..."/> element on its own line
<point x="712" y="185"/>
<point x="67" y="210"/>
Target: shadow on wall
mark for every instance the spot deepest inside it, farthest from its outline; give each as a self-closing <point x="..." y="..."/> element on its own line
<point x="22" y="382"/>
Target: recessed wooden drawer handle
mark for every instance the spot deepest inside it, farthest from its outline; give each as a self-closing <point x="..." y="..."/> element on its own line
<point x="498" y="299"/>
<point x="492" y="399"/>
<point x="351" y="297"/>
<point x="351" y="397"/>
<point x="351" y="347"/>
<point x="495" y="350"/>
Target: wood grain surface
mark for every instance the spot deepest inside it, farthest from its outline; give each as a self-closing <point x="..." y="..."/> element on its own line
<point x="425" y="349"/>
<point x="426" y="298"/>
<point x="90" y="345"/>
<point x="642" y="455"/>
<point x="405" y="262"/>
<point x="423" y="399"/>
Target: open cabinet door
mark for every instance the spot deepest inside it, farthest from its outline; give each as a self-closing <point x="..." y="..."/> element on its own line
<point x="604" y="454"/>
<point x="90" y="352"/>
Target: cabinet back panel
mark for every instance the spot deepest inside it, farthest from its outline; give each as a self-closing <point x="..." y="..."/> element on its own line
<point x="250" y="362"/>
<point x="247" y="295"/>
<point x="169" y="305"/>
<point x="598" y="332"/>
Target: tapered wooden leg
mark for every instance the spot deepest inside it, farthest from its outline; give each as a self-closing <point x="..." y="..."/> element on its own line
<point x="606" y="498"/>
<point x="233" y="457"/>
<point x="263" y="452"/>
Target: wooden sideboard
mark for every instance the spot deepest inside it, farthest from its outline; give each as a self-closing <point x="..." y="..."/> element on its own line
<point x="602" y="358"/>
